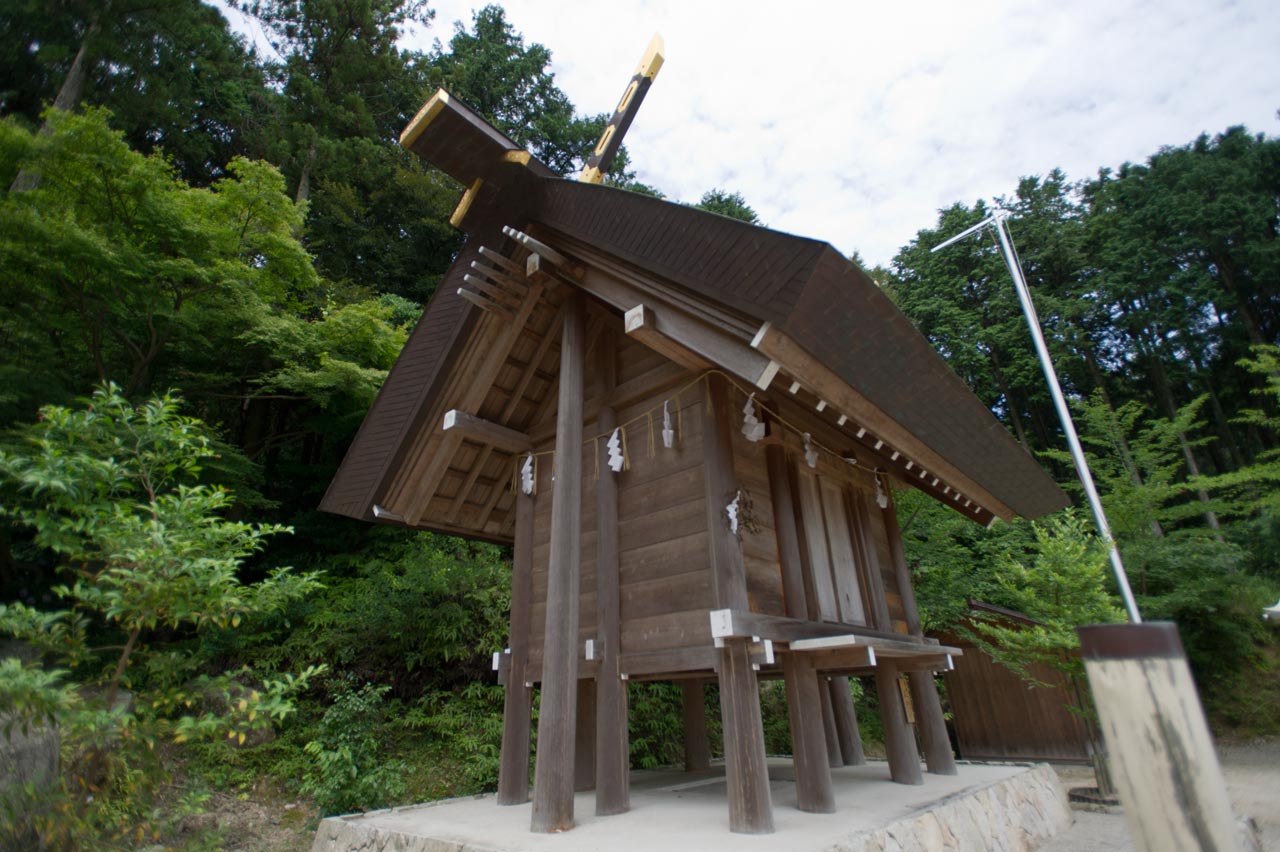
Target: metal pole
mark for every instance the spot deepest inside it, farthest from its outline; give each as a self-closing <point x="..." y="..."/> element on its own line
<point x="1060" y="403"/>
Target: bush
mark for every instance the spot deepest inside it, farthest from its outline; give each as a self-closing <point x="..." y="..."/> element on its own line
<point x="349" y="772"/>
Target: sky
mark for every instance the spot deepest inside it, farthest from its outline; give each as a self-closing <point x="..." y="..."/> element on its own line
<point x="855" y="122"/>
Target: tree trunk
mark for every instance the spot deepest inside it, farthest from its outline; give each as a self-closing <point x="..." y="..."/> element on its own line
<point x="304" y="179"/>
<point x="1227" y="274"/>
<point x="1122" y="440"/>
<point x="68" y="96"/>
<point x="1015" y="417"/>
<point x="1165" y="394"/>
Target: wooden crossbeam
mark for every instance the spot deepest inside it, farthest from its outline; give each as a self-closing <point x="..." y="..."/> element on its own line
<point x="727" y="623"/>
<point x="485" y="432"/>
<point x="641" y="324"/>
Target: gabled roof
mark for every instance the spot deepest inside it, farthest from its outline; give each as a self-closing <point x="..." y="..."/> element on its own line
<point x="788" y="309"/>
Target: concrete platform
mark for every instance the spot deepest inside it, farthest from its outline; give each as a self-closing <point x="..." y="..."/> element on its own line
<point x="986" y="806"/>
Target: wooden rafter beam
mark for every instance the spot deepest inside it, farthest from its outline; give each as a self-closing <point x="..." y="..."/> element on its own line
<point x="485" y="303"/>
<point x="460" y="499"/>
<point x="496" y="294"/>
<point x="419" y="491"/>
<point x="540" y="248"/>
<point x="501" y="260"/>
<point x="827" y="385"/>
<point x="515" y="286"/>
<point x="531" y="368"/>
<point x="485" y="432"/>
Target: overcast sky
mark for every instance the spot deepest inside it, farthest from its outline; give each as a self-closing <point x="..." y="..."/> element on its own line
<point x="855" y="122"/>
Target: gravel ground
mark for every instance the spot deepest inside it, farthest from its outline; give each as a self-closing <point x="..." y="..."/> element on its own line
<point x="1252" y="772"/>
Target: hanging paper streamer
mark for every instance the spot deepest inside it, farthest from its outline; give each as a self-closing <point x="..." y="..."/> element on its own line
<point x="731" y="511"/>
<point x="882" y="499"/>
<point x="668" y="434"/>
<point x="526" y="475"/>
<point x="752" y="428"/>
<point x="615" y="450"/>
<point x="810" y="454"/>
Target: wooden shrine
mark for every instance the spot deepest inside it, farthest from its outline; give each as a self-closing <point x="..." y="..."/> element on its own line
<point x="690" y="430"/>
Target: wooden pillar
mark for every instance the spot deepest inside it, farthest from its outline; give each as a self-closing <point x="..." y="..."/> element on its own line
<point x="746" y="771"/>
<point x="584" y="747"/>
<point x="846" y="720"/>
<point x="831" y="736"/>
<point x="808" y="746"/>
<point x="938" y="756"/>
<point x="612" y="749"/>
<point x="939" y="759"/>
<point x="513" y="770"/>
<point x="809" y="737"/>
<point x="697" y="746"/>
<point x="554" y="770"/>
<point x="899" y="743"/>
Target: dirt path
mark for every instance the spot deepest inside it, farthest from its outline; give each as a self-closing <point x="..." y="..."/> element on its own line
<point x="1252" y="772"/>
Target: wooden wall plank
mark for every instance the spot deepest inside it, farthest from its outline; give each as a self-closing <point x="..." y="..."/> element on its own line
<point x="840" y="548"/>
<point x="814" y="535"/>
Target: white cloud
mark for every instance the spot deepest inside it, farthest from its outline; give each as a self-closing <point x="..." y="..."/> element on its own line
<point x="855" y="122"/>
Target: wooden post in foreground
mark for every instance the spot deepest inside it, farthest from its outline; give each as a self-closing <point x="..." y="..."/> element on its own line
<point x="513" y="771"/>
<point x="584" y="748"/>
<point x="697" y="746"/>
<point x="612" y="752"/>
<point x="899" y="743"/>
<point x="830" y="734"/>
<point x="846" y="719"/>
<point x="939" y="759"/>
<point x="1162" y="757"/>
<point x="746" y="770"/>
<point x="813" y="775"/>
<point x="554" y="771"/>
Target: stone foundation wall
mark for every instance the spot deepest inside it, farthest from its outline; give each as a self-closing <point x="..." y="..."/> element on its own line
<point x="1015" y="815"/>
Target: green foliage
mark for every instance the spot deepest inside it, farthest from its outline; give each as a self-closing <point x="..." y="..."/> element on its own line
<point x="1062" y="585"/>
<point x="112" y="259"/>
<point x="730" y="204"/>
<point x="493" y="71"/>
<point x="350" y="773"/>
<point x="416" y="607"/>
<point x="463" y="729"/>
<point x="110" y="489"/>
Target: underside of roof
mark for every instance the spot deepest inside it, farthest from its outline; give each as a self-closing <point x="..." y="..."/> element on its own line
<point x="787" y="314"/>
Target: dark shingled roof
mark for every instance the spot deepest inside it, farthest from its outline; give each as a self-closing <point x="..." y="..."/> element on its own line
<point x="803" y="287"/>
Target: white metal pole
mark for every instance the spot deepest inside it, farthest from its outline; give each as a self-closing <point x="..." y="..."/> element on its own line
<point x="1060" y="403"/>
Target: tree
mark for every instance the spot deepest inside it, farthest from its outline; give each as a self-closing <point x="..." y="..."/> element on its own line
<point x="104" y="263"/>
<point x="113" y="491"/>
<point x="493" y="71"/>
<point x="172" y="73"/>
<point x="730" y="204"/>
